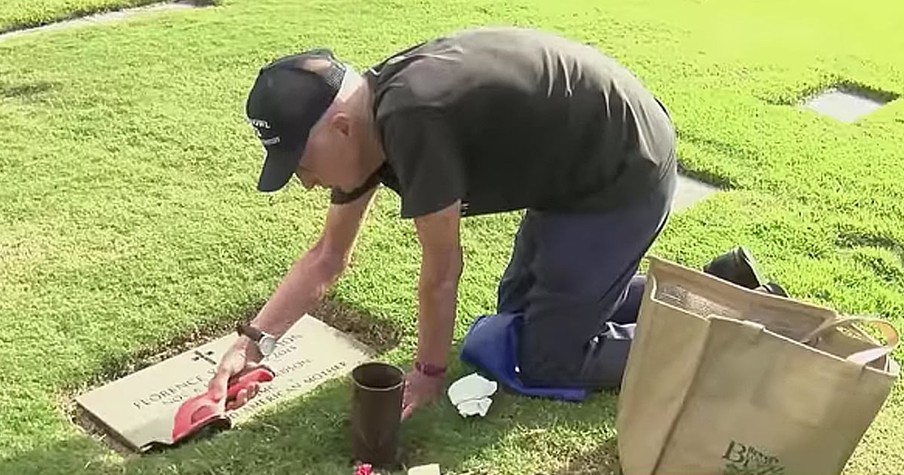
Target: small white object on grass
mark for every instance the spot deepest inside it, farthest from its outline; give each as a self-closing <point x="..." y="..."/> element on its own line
<point x="432" y="469"/>
<point x="471" y="394"/>
<point x="472" y="407"/>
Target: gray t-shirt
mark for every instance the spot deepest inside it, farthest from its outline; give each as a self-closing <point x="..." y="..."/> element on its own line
<point x="509" y="118"/>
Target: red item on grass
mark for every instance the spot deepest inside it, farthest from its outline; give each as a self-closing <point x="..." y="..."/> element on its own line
<point x="365" y="469"/>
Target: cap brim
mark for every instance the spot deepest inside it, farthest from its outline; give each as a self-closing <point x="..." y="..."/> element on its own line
<point x="279" y="166"/>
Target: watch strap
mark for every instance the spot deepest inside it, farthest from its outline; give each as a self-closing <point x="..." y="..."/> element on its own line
<point x="248" y="330"/>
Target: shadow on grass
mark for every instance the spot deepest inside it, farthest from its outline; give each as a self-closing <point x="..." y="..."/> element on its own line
<point x="26" y="92"/>
<point x="602" y="460"/>
<point x="723" y="148"/>
<point x="353" y="320"/>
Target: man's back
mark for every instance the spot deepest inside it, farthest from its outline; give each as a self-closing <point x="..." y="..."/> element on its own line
<point x="507" y="118"/>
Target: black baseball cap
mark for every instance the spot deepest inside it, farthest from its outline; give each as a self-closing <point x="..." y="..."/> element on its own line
<point x="288" y="97"/>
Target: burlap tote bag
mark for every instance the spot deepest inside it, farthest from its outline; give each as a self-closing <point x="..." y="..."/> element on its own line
<point x="722" y="380"/>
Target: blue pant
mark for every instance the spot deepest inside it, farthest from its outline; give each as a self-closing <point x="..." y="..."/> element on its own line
<point x="569" y="298"/>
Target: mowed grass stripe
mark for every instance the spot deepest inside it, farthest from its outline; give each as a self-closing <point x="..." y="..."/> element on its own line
<point x="21" y="14"/>
<point x="129" y="218"/>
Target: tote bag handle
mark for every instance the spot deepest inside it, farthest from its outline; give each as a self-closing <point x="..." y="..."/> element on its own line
<point x="866" y="356"/>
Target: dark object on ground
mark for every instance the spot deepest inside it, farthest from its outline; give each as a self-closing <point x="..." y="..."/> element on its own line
<point x="773" y="288"/>
<point x="739" y="267"/>
<point x="736" y="266"/>
<point x="376" y="414"/>
<point x="202" y="416"/>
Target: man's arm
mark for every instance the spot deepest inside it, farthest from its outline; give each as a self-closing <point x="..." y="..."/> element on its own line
<point x="318" y="269"/>
<point x="441" y="268"/>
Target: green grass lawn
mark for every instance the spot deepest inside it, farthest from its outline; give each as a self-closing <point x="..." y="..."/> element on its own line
<point x="129" y="219"/>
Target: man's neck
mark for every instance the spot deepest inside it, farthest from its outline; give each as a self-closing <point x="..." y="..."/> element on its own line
<point x="373" y="145"/>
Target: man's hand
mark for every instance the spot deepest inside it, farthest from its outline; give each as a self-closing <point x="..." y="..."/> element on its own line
<point x="241" y="356"/>
<point x="420" y="390"/>
<point x="441" y="267"/>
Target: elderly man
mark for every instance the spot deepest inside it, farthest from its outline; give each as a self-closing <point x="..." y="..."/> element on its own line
<point x="488" y="120"/>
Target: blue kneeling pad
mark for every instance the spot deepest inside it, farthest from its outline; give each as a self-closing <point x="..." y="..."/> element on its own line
<point x="491" y="346"/>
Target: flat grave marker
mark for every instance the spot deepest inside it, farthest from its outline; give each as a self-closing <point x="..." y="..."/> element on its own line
<point x="140" y="407"/>
<point x="844" y="105"/>
<point x="690" y="192"/>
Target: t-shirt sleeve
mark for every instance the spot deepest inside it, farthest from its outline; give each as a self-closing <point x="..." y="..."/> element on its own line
<point x="425" y="155"/>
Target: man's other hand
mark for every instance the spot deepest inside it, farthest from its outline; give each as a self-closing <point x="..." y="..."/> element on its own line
<point x="420" y="390"/>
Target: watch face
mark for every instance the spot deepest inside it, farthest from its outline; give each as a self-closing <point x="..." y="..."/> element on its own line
<point x="267" y="344"/>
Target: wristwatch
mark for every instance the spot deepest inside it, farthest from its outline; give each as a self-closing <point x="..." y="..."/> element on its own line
<point x="265" y="342"/>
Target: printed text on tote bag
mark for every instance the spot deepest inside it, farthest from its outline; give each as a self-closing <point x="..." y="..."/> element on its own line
<point x="746" y="460"/>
